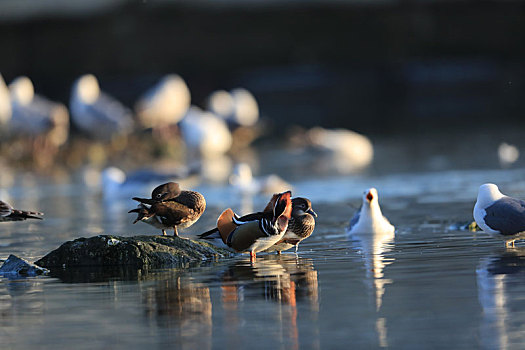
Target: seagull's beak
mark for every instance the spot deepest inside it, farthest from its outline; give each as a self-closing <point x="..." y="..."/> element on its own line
<point x="369" y="196"/>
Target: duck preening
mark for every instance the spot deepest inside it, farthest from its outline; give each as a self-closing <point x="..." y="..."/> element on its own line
<point x="170" y="208"/>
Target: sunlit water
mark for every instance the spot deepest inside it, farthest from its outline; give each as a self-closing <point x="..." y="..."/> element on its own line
<point x="431" y="285"/>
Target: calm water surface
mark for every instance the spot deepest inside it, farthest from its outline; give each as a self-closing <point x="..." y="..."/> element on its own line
<point x="432" y="285"/>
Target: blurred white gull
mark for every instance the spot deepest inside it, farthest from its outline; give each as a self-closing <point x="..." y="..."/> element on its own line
<point x="238" y="107"/>
<point x="243" y="180"/>
<point x="500" y="215"/>
<point x="5" y="105"/>
<point x="354" y="149"/>
<point x="116" y="184"/>
<point x="36" y="116"/>
<point x="165" y="103"/>
<point x="204" y="133"/>
<point x="507" y="154"/>
<point x="96" y="113"/>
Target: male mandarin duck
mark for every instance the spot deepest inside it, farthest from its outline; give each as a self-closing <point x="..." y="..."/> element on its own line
<point x="7" y="213"/>
<point x="300" y="227"/>
<point x="170" y="207"/>
<point x="254" y="232"/>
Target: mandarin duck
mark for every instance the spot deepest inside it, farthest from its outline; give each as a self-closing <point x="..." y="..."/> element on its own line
<point x="170" y="207"/>
<point x="253" y="233"/>
<point x="300" y="226"/>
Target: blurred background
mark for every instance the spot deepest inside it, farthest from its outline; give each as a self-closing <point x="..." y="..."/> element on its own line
<point x="386" y="69"/>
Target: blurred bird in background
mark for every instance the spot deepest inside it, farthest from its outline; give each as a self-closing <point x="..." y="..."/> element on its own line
<point x="43" y="123"/>
<point x="164" y="105"/>
<point x="97" y="114"/>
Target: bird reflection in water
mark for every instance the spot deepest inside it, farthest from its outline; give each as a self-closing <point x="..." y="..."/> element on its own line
<point x="184" y="307"/>
<point x="287" y="280"/>
<point x="373" y="247"/>
<point x="501" y="287"/>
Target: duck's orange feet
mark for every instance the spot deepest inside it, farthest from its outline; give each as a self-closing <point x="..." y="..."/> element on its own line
<point x="252" y="256"/>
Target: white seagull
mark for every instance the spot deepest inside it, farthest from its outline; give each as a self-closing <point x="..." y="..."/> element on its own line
<point x="165" y="103"/>
<point x="205" y="134"/>
<point x="369" y="218"/>
<point x="238" y="107"/>
<point x="499" y="214"/>
<point x="96" y="113"/>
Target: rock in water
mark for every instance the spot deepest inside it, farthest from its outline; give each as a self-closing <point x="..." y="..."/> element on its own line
<point x="17" y="266"/>
<point x="137" y="251"/>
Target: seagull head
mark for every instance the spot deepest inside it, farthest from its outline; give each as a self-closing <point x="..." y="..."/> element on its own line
<point x="370" y="197"/>
<point x="487" y="194"/>
<point x="22" y="90"/>
<point x="87" y="88"/>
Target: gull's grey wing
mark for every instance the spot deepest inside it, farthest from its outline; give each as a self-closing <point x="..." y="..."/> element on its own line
<point x="506" y="215"/>
<point x="355" y="219"/>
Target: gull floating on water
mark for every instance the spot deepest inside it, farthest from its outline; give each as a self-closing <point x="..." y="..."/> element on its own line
<point x="373" y="235"/>
<point x="96" y="113"/>
<point x="204" y="133"/>
<point x="500" y="215"/>
<point x="165" y="103"/>
<point x="369" y="218"/>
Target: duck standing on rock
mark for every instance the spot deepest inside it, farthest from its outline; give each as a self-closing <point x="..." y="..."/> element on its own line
<point x="170" y="207"/>
<point x="7" y="213"/>
<point x="300" y="227"/>
<point x="254" y="232"/>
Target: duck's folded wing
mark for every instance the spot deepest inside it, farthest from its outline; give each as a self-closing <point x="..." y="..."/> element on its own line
<point x="171" y="213"/>
<point x="245" y="236"/>
<point x="248" y="217"/>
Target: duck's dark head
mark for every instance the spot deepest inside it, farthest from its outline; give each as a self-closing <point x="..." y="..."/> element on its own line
<point x="166" y="191"/>
<point x="301" y="205"/>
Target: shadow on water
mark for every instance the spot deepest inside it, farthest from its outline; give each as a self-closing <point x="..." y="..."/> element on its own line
<point x="501" y="288"/>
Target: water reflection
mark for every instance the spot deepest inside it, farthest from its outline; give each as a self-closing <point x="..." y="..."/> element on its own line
<point x="183" y="307"/>
<point x="373" y="247"/>
<point x="286" y="280"/>
<point x="21" y="305"/>
<point x="501" y="288"/>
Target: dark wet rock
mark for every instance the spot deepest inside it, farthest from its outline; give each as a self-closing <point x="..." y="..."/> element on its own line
<point x="17" y="266"/>
<point x="137" y="251"/>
